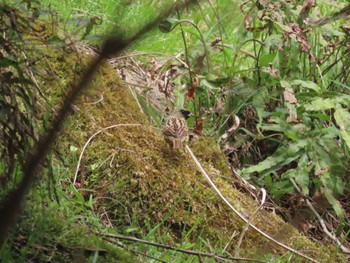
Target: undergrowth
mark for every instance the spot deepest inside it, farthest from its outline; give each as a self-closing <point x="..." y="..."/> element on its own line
<point x="285" y="75"/>
<point x="282" y="69"/>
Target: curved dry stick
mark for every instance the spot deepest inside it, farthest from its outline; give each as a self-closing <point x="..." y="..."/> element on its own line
<point x="185" y="251"/>
<point x="245" y="229"/>
<point x="323" y="224"/>
<point x="239" y="214"/>
<point x="90" y="139"/>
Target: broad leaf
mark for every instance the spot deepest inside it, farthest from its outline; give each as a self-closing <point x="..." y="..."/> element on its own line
<point x="342" y="118"/>
<point x="285" y="84"/>
<point x="266" y="59"/>
<point x="334" y="202"/>
<point x="281" y="188"/>
<point x="284" y="155"/>
<point x="319" y="104"/>
<point x="307" y="84"/>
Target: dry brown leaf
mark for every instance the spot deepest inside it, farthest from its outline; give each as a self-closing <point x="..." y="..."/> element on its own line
<point x="191" y="91"/>
<point x="289" y="96"/>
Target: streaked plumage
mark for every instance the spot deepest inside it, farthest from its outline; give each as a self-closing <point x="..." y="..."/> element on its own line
<point x="175" y="128"/>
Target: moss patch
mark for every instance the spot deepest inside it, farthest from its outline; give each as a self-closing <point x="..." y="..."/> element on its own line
<point x="142" y="183"/>
<point x="48" y="235"/>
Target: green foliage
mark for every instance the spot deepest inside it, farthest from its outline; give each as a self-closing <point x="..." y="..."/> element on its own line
<point x="286" y="80"/>
<point x="52" y="232"/>
<point x="18" y="90"/>
<point x="311" y="124"/>
<point x="54" y="223"/>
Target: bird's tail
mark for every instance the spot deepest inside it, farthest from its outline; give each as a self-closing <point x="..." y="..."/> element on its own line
<point x="177" y="143"/>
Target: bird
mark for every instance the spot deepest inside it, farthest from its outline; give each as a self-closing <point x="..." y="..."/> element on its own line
<point x="175" y="128"/>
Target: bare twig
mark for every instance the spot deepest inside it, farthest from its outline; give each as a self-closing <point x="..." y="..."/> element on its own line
<point x="95" y="102"/>
<point x="90" y="139"/>
<point x="186" y="251"/>
<point x="245" y="229"/>
<point x="186" y="50"/>
<point x="323" y="224"/>
<point x="239" y="214"/>
<point x="133" y="93"/>
<point x="188" y="63"/>
<point x="235" y="233"/>
<point x="201" y="37"/>
<point x="119" y="244"/>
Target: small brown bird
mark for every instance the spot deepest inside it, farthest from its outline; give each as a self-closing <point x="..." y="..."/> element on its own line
<point x="175" y="128"/>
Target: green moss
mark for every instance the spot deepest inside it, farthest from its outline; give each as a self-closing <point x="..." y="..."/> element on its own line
<point x="47" y="235"/>
<point x="142" y="183"/>
<point x="151" y="184"/>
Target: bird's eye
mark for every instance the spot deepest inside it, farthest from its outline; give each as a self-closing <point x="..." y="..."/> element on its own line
<point x="185" y="113"/>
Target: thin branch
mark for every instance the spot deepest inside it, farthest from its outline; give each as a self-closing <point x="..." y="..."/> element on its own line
<point x="250" y="222"/>
<point x="234" y="234"/>
<point x="189" y="64"/>
<point x="201" y="37"/>
<point x="133" y="93"/>
<point x="95" y="102"/>
<point x="185" y="251"/>
<point x="90" y="139"/>
<point x="134" y="251"/>
<point x="239" y="214"/>
<point x="323" y="224"/>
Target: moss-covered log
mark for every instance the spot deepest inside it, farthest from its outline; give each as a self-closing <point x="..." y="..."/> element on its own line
<point x="140" y="182"/>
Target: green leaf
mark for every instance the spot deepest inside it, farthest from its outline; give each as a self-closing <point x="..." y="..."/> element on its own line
<point x="5" y="62"/>
<point x="334" y="202"/>
<point x="168" y="25"/>
<point x="150" y="110"/>
<point x="273" y="42"/>
<point x="330" y="31"/>
<point x="272" y="127"/>
<point x="280" y="188"/>
<point x="321" y="116"/>
<point x="206" y="84"/>
<point x="259" y="101"/>
<point x="131" y="229"/>
<point x="342" y="118"/>
<point x="346" y="137"/>
<point x="285" y="84"/>
<point x="319" y="104"/>
<point x="307" y="84"/>
<point x="179" y="98"/>
<point x="266" y="59"/>
<point x="302" y="173"/>
<point x="193" y="32"/>
<point x="73" y="149"/>
<point x="284" y="155"/>
<point x="326" y="133"/>
<point x="94" y="166"/>
<point x="88" y="30"/>
<point x="268" y="179"/>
